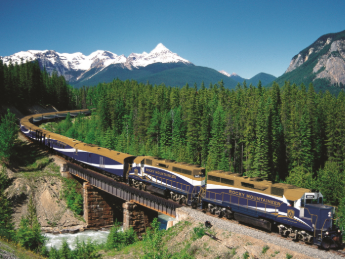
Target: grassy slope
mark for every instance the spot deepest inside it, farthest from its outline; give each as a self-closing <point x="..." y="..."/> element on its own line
<point x="10" y="249"/>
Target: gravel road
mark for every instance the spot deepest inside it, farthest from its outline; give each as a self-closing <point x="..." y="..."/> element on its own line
<point x="233" y="227"/>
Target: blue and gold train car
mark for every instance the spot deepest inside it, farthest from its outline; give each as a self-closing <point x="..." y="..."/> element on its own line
<point x="111" y="163"/>
<point x="181" y="182"/>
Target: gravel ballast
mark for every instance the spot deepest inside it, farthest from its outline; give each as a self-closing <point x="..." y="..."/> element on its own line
<point x="266" y="237"/>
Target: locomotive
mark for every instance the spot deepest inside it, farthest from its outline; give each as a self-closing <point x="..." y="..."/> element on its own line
<point x="297" y="212"/>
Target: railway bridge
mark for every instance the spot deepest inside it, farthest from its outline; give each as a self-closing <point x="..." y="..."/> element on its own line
<point x="103" y="197"/>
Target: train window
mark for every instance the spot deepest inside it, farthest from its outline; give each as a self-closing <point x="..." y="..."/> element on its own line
<point x="320" y="200"/>
<point x="292" y="203"/>
<point x="277" y="191"/>
<point x="176" y="169"/>
<point x="163" y="165"/>
<point x="248" y="185"/>
<point x="148" y="161"/>
<point x="227" y="181"/>
<point x="184" y="171"/>
<point x="213" y="178"/>
<point x="202" y="173"/>
<point x="142" y="163"/>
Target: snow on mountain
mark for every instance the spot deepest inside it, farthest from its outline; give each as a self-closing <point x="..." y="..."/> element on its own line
<point x="65" y="63"/>
<point x="224" y="73"/>
<point x="159" y="54"/>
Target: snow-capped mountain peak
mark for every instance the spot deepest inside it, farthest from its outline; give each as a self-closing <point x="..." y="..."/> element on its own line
<point x="224" y="73"/>
<point x="67" y="64"/>
<point x="160" y="48"/>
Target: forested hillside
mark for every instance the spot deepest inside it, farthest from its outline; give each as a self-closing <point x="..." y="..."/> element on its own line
<point x="25" y="84"/>
<point x="287" y="134"/>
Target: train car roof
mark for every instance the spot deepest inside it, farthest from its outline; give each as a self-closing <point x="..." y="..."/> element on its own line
<point x="118" y="156"/>
<point x="291" y="192"/>
<point x="169" y="162"/>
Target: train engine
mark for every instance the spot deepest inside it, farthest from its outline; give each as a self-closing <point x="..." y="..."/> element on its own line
<point x="298" y="213"/>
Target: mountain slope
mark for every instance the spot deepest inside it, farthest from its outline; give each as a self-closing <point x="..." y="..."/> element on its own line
<point x="111" y="72"/>
<point x="191" y="74"/>
<point x="237" y="78"/>
<point x="322" y="63"/>
<point x="263" y="77"/>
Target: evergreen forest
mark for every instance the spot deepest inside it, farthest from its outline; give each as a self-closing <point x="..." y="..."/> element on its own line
<point x="285" y="133"/>
<point x="26" y="84"/>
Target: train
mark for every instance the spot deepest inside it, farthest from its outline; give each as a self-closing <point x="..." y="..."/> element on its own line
<point x="295" y="212"/>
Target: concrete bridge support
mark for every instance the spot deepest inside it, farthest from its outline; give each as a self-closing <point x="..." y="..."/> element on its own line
<point x="137" y="217"/>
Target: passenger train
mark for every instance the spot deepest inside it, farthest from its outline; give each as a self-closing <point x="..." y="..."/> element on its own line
<point x="297" y="212"/>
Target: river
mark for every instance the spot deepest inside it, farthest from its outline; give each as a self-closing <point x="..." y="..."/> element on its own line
<point x="92" y="235"/>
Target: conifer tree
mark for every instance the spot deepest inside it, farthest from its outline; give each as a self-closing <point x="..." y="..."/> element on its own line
<point x="217" y="142"/>
<point x="261" y="162"/>
<point x="8" y="135"/>
<point x="6" y="223"/>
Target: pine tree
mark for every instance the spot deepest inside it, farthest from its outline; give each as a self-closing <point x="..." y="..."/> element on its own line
<point x="8" y="135"/>
<point x="6" y="223"/>
<point x="261" y="161"/>
<point x="217" y="142"/>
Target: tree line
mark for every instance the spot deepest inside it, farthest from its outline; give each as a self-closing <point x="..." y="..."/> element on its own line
<point x="285" y="133"/>
<point x="26" y="84"/>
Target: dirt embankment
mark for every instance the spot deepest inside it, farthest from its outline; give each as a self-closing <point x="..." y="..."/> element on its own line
<point x="218" y="243"/>
<point x="36" y="172"/>
<point x="45" y="185"/>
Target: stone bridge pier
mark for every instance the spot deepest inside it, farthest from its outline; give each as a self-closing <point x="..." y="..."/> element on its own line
<point x="137" y="217"/>
<point x="102" y="209"/>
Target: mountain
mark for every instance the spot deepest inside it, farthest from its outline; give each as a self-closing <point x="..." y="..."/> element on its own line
<point x="322" y="63"/>
<point x="237" y="78"/>
<point x="78" y="67"/>
<point x="224" y="73"/>
<point x="263" y="77"/>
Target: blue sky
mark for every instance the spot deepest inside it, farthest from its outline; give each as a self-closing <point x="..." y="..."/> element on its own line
<point x="246" y="37"/>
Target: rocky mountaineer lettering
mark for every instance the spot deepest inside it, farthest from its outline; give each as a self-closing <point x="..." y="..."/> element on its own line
<point x="160" y="173"/>
<point x="255" y="198"/>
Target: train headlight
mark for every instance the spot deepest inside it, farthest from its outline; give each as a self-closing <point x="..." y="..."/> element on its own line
<point x="327" y="233"/>
<point x="338" y="230"/>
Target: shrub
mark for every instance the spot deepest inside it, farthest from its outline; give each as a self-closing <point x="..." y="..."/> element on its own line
<point x="198" y="232"/>
<point x="118" y="239"/>
<point x="73" y="198"/>
<point x="265" y="248"/>
<point x="29" y="234"/>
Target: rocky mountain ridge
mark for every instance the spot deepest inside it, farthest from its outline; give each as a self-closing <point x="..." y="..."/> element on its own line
<point x="74" y="66"/>
<point x="326" y="56"/>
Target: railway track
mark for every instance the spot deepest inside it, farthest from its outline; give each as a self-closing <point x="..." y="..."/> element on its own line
<point x="274" y="234"/>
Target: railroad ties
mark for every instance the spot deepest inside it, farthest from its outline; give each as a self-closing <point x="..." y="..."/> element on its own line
<point x="123" y="191"/>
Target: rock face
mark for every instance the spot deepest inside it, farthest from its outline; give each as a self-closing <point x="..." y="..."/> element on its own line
<point x="326" y="55"/>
